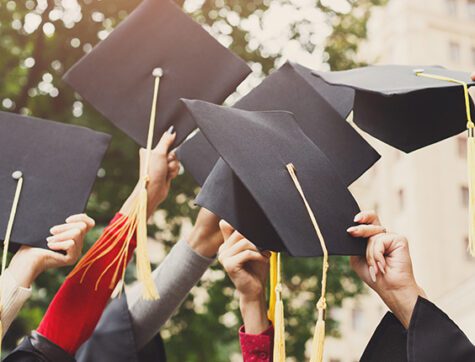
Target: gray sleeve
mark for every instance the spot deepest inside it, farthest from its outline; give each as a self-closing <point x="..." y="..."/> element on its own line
<point x="177" y="274"/>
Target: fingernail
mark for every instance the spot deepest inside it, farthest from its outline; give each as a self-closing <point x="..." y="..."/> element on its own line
<point x="266" y="253"/>
<point x="357" y="218"/>
<point x="171" y="129"/>
<point x="50" y="239"/>
<point x="352" y="229"/>
<point x="372" y="273"/>
<point x="380" y="266"/>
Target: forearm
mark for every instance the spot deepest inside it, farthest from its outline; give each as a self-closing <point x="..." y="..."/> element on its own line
<point x="177" y="274"/>
<point x="206" y="238"/>
<point x="254" y="314"/>
<point x="14" y="296"/>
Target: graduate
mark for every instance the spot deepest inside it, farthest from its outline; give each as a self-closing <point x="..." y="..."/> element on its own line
<point x="77" y="307"/>
<point x="414" y="330"/>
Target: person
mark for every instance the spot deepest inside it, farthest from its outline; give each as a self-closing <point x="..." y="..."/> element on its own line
<point x="29" y="262"/>
<point x="67" y="324"/>
<point x="414" y="330"/>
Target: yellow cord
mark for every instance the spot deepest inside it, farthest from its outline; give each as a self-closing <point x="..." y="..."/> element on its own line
<point x="319" y="334"/>
<point x="470" y="152"/>
<point x="279" y="320"/>
<point x="272" y="286"/>
<point x="6" y="243"/>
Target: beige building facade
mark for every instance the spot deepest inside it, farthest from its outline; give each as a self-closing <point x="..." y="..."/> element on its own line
<point x="422" y="195"/>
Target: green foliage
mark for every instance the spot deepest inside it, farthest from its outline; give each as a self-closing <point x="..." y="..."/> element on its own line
<point x="40" y="40"/>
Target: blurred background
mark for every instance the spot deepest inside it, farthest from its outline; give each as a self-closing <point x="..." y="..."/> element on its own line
<point x="423" y="195"/>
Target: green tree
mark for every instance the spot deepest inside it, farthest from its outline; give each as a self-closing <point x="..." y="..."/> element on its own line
<point x="40" y="40"/>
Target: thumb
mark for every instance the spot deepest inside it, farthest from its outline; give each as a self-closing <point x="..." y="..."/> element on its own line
<point x="166" y="142"/>
<point x="226" y="229"/>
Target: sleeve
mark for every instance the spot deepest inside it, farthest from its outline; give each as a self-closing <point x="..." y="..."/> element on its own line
<point x="12" y="299"/>
<point x="388" y="342"/>
<point x="78" y="305"/>
<point x="174" y="278"/>
<point x="434" y="337"/>
<point x="257" y="347"/>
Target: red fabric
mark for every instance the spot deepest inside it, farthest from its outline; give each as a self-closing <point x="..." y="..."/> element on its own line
<point x="77" y="307"/>
<point x="257" y="347"/>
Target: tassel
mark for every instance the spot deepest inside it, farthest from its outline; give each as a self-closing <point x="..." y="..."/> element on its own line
<point x="144" y="270"/>
<point x="471" y="188"/>
<point x="272" y="286"/>
<point x="134" y="222"/>
<point x="470" y="153"/>
<point x="278" y="317"/>
<point x="18" y="176"/>
<point x="319" y="333"/>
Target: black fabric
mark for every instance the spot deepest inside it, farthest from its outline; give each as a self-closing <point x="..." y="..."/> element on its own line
<point x="59" y="163"/>
<point x="402" y="109"/>
<point x="36" y="348"/>
<point x="434" y="337"/>
<point x="388" y="343"/>
<point x="319" y="110"/>
<point x="257" y="146"/>
<point x="116" y="76"/>
<point x="113" y="339"/>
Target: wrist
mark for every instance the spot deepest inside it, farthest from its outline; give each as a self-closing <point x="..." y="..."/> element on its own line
<point x="206" y="237"/>
<point x="254" y="313"/>
<point x="25" y="268"/>
<point x="402" y="302"/>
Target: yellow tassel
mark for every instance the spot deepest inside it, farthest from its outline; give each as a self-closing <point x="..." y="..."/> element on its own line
<point x="470" y="153"/>
<point x="278" y="316"/>
<point x="471" y="189"/>
<point x="319" y="333"/>
<point x="272" y="286"/>
<point x="126" y="226"/>
<point x="144" y="270"/>
<point x="318" y="337"/>
<point x="279" y="329"/>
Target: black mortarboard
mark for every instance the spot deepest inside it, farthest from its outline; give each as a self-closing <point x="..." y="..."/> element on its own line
<point x="286" y="195"/>
<point x="319" y="110"/>
<point x="397" y="105"/>
<point x="58" y="164"/>
<point x="117" y="76"/>
<point x="257" y="146"/>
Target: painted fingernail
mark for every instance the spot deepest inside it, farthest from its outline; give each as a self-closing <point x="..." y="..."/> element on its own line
<point x="381" y="267"/>
<point x="352" y="229"/>
<point x="171" y="129"/>
<point x="50" y="239"/>
<point x="358" y="217"/>
<point x="372" y="273"/>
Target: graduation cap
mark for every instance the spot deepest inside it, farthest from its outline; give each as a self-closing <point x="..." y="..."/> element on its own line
<point x="398" y="106"/>
<point x="156" y="41"/>
<point x="47" y="173"/>
<point x="135" y="78"/>
<point x="410" y="107"/>
<point x="284" y="182"/>
<point x="319" y="109"/>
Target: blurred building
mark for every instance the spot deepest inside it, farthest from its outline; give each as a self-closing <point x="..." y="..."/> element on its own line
<point x="422" y="195"/>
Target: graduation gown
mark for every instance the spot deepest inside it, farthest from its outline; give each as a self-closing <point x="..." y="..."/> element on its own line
<point x="113" y="340"/>
<point x="431" y="337"/>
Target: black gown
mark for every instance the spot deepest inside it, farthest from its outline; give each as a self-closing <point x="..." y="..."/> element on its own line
<point x="431" y="337"/>
<point x="113" y="340"/>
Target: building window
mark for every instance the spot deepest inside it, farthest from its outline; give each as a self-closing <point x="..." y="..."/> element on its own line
<point x="471" y="8"/>
<point x="400" y="199"/>
<point x="464" y="195"/>
<point x="462" y="147"/>
<point x="357" y="319"/>
<point x="454" y="52"/>
<point x="451" y="7"/>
